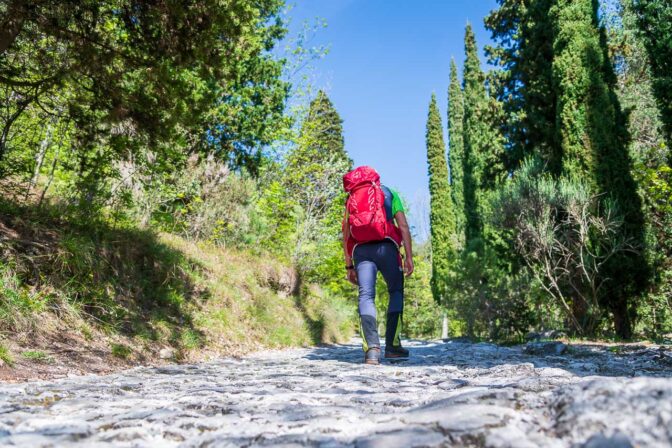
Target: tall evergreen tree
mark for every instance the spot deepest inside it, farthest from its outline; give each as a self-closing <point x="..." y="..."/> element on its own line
<point x="592" y="131"/>
<point x="456" y="147"/>
<point x="312" y="181"/>
<point x="483" y="145"/>
<point x="474" y="91"/>
<point x="524" y="54"/>
<point x="635" y="85"/>
<point x="320" y="150"/>
<point x="442" y="220"/>
<point x="655" y="19"/>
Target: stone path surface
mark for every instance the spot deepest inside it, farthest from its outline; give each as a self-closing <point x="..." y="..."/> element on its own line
<point x="448" y="394"/>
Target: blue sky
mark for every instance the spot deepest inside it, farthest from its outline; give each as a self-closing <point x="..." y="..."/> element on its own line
<point x="386" y="59"/>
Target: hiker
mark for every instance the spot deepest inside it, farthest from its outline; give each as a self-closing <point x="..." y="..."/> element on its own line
<point x="374" y="228"/>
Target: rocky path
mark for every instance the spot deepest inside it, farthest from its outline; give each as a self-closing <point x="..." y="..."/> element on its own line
<point x="448" y="394"/>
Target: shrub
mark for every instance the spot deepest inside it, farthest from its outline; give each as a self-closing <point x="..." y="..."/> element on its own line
<point x="565" y="235"/>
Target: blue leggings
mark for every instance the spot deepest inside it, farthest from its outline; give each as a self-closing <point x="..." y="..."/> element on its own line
<point x="371" y="258"/>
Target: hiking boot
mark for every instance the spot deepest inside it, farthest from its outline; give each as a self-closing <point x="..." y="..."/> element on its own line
<point x="372" y="356"/>
<point x="395" y="352"/>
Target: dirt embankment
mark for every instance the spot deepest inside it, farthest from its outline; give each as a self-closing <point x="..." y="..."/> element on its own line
<point x="78" y="299"/>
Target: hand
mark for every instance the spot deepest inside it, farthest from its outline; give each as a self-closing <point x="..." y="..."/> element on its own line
<point x="352" y="277"/>
<point x="408" y="266"/>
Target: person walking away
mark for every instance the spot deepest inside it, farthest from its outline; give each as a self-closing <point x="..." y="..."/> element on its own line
<point x="374" y="229"/>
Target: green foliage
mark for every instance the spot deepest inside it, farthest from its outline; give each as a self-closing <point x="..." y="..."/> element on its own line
<point x="566" y="236"/>
<point x="474" y="94"/>
<point x="121" y="351"/>
<point x="202" y="200"/>
<point x="117" y="107"/>
<point x="635" y="90"/>
<point x="137" y="288"/>
<point x="456" y="149"/>
<point x="524" y="53"/>
<point x="650" y="153"/>
<point x="477" y="167"/>
<point x="312" y="184"/>
<point x="494" y="300"/>
<point x="330" y="318"/>
<point x="593" y="135"/>
<point x="5" y="355"/>
<point x="36" y="355"/>
<point x="125" y="280"/>
<point x="655" y="17"/>
<point x="564" y="242"/>
<point x="420" y="313"/>
<point x="442" y="217"/>
<point x="421" y="319"/>
<point x="655" y="311"/>
<point x="483" y="143"/>
<point x="124" y="75"/>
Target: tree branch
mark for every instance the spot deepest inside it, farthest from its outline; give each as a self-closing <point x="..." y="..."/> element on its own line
<point x="12" y="25"/>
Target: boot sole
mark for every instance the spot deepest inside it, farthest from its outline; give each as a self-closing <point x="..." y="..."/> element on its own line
<point x="372" y="362"/>
<point x="395" y="356"/>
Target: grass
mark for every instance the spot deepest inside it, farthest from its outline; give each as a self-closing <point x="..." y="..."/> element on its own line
<point x="120" y="350"/>
<point x="36" y="355"/>
<point x="5" y="355"/>
<point x="135" y="288"/>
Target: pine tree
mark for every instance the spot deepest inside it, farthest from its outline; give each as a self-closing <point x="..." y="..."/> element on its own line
<point x="655" y="19"/>
<point x="322" y="130"/>
<point x="442" y="220"/>
<point x="592" y="131"/>
<point x="456" y="147"/>
<point x="312" y="183"/>
<point x="524" y="54"/>
<point x="319" y="159"/>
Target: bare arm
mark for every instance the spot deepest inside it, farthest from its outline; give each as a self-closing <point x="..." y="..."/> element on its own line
<point x="407" y="242"/>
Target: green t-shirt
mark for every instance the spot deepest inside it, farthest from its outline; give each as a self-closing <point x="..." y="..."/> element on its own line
<point x="393" y="204"/>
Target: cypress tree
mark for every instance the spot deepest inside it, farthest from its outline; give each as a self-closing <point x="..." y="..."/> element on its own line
<point x="456" y="147"/>
<point x="474" y="90"/>
<point x="441" y="216"/>
<point x="483" y="146"/>
<point x="593" y="136"/>
<point x="655" y="20"/>
<point x="635" y="87"/>
<point x="524" y="53"/>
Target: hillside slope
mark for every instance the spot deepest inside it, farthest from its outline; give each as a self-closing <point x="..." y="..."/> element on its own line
<point x="81" y="298"/>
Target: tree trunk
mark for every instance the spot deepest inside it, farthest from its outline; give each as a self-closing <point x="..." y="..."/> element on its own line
<point x="44" y="146"/>
<point x="444" y="326"/>
<point x="622" y="321"/>
<point x="580" y="313"/>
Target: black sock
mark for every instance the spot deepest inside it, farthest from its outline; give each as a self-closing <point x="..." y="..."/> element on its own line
<point x="393" y="330"/>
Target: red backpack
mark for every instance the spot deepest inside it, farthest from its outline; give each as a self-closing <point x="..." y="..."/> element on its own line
<point x="365" y="205"/>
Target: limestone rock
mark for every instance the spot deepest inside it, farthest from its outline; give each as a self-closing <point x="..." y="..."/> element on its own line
<point x="618" y="440"/>
<point x="545" y="348"/>
<point x="447" y="394"/>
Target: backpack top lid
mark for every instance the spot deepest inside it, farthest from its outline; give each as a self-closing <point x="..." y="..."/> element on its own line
<point x="358" y="176"/>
